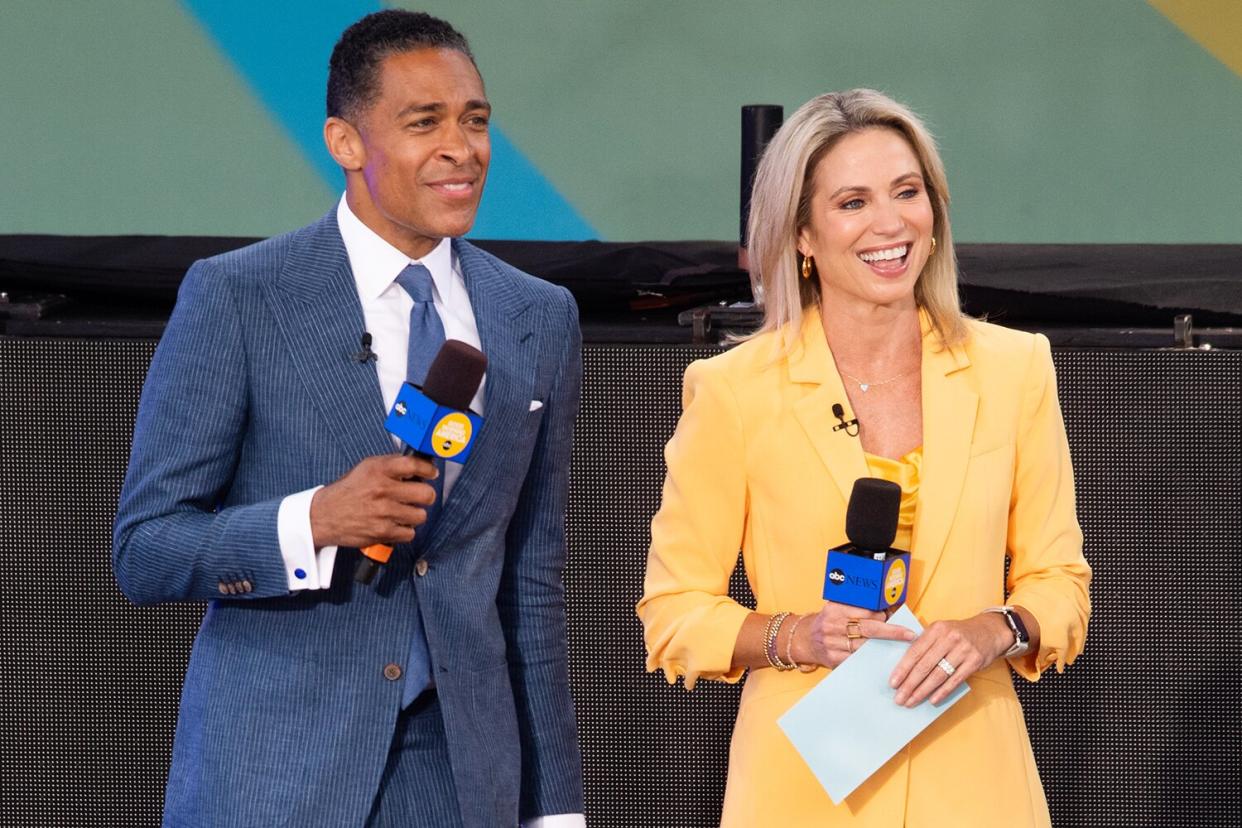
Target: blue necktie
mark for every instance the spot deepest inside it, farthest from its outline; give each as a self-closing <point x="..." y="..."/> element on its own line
<point x="426" y="337"/>
<point x="426" y="330"/>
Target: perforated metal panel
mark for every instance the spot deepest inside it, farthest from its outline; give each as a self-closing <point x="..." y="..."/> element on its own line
<point x="88" y="683"/>
<point x="653" y="754"/>
<point x="1143" y="730"/>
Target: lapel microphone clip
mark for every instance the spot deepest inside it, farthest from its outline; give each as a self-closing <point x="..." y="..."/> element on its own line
<point x="366" y="354"/>
<point x="845" y="425"/>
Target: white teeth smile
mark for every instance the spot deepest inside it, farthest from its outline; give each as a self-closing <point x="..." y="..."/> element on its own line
<point x="884" y="255"/>
<point x="456" y="188"/>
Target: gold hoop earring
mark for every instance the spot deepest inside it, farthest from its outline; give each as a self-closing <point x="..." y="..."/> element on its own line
<point x="933" y="247"/>
<point x="806" y="267"/>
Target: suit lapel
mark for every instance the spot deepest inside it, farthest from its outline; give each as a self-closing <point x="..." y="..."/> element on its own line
<point x="505" y="319"/>
<point x="315" y="303"/>
<point x="812" y="364"/>
<point x="950" y="405"/>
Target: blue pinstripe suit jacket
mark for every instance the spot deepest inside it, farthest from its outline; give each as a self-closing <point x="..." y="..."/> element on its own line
<point x="286" y="714"/>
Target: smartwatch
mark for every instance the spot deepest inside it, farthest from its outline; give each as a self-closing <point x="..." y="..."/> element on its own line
<point x="1021" y="640"/>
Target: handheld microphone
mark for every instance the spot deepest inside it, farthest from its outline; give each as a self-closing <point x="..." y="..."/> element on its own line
<point x="366" y="354"/>
<point x="839" y="412"/>
<point x="867" y="572"/>
<point x="434" y="422"/>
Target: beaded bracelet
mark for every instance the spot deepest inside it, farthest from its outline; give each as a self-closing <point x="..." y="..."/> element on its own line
<point x="769" y="642"/>
<point x="802" y="668"/>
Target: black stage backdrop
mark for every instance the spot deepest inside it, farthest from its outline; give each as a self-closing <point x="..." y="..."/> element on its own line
<point x="124" y="286"/>
<point x="1143" y="730"/>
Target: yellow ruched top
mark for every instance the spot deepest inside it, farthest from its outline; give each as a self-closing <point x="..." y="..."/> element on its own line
<point x="905" y="473"/>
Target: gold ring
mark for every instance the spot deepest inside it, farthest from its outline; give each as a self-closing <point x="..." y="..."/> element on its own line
<point x="853" y="629"/>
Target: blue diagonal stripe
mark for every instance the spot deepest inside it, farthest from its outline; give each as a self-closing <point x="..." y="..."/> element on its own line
<point x="282" y="50"/>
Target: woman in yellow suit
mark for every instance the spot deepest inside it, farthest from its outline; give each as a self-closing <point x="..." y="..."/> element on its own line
<point x="852" y="255"/>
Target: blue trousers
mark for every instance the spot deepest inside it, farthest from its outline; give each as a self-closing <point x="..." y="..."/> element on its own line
<point x="417" y="786"/>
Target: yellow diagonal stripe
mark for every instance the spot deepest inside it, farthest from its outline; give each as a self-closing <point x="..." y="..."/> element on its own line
<point x="1216" y="25"/>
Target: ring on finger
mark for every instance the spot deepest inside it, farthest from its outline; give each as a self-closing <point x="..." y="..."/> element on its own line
<point x="849" y="642"/>
<point x="948" y="668"/>
<point x="853" y="629"/>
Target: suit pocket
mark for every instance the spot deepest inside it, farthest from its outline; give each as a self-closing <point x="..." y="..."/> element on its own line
<point x="521" y="444"/>
<point x="533" y="418"/>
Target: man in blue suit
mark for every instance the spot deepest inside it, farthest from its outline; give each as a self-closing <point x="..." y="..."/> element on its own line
<point x="438" y="695"/>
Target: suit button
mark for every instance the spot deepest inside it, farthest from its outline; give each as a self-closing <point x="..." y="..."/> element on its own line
<point x="392" y="672"/>
<point x="421" y="567"/>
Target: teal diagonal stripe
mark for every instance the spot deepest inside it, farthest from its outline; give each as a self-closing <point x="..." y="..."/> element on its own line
<point x="282" y="50"/>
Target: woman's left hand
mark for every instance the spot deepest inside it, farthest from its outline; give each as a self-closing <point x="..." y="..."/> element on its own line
<point x="965" y="646"/>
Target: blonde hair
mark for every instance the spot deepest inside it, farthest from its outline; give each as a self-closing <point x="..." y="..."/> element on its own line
<point x="780" y="207"/>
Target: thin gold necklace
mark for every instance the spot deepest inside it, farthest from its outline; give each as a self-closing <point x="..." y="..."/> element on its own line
<point x="866" y="386"/>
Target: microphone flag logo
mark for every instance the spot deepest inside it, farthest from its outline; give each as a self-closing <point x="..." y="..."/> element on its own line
<point x="895" y="581"/>
<point x="451" y="434"/>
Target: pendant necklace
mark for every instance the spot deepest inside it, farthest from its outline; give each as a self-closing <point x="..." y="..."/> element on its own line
<point x="866" y="386"/>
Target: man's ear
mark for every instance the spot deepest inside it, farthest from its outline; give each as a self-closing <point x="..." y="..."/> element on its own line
<point x="344" y="143"/>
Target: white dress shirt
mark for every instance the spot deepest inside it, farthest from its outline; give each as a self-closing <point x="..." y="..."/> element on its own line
<point x="386" y="310"/>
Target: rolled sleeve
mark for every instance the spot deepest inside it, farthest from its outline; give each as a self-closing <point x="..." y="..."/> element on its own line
<point x="1048" y="575"/>
<point x="690" y="623"/>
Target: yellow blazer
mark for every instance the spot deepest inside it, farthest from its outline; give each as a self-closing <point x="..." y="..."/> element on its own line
<point x="755" y="465"/>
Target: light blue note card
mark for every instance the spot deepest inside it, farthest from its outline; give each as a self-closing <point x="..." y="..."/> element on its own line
<point x="849" y="725"/>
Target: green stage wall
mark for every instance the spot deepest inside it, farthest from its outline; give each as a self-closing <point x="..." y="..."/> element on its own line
<point x="1099" y="121"/>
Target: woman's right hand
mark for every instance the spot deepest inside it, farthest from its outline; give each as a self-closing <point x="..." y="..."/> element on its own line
<point x="829" y="636"/>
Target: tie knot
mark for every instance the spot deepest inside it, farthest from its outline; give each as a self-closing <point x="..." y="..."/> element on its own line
<point x="416" y="280"/>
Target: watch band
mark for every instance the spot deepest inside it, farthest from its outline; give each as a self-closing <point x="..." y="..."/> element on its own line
<point x="1021" y="639"/>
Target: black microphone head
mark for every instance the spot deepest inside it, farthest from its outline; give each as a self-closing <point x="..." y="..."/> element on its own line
<point x="871" y="519"/>
<point x="454" y="376"/>
<point x="838" y="411"/>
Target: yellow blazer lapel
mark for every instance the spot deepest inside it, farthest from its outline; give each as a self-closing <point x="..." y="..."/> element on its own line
<point x="950" y="404"/>
<point x="811" y="363"/>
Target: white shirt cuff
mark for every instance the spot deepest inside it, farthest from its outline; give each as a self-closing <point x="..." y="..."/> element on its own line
<point x="557" y="821"/>
<point x="305" y="566"/>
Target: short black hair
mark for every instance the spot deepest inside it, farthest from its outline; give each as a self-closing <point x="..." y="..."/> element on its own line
<point x="353" y="70"/>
